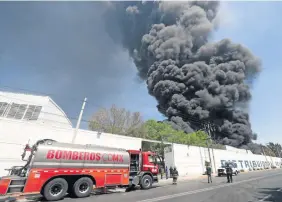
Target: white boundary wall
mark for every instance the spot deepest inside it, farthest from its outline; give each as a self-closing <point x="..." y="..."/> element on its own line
<point x="14" y="135"/>
<point x="189" y="160"/>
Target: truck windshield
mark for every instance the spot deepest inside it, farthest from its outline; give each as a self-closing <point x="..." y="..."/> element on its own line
<point x="152" y="158"/>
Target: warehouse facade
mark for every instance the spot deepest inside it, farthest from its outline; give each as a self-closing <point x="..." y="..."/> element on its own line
<point x="32" y="108"/>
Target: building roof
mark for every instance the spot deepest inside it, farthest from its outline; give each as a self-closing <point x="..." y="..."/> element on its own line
<point x="31" y="99"/>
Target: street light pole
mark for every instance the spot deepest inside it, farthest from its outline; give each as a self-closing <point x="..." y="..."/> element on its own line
<point x="78" y="121"/>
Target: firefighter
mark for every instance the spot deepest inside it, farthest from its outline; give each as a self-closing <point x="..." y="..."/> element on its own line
<point x="170" y="171"/>
<point x="162" y="172"/>
<point x="209" y="172"/>
<point x="174" y="176"/>
<point x="229" y="172"/>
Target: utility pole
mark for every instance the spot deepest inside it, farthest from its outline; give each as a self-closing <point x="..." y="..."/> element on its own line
<point x="263" y="152"/>
<point x="214" y="160"/>
<point x="78" y="121"/>
<point x="210" y="138"/>
<point x="264" y="156"/>
<point x="207" y="141"/>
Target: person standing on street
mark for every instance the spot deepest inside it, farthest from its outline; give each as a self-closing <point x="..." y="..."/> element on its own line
<point x="162" y="172"/>
<point x="170" y="171"/>
<point x="166" y="172"/>
<point x="174" y="176"/>
<point x="229" y="172"/>
<point x="209" y="172"/>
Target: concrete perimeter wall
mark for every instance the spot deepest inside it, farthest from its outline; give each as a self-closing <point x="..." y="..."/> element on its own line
<point x="189" y="160"/>
<point x="14" y="135"/>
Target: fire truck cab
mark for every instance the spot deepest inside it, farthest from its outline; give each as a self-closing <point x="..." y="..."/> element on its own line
<point x="54" y="169"/>
<point x="143" y="168"/>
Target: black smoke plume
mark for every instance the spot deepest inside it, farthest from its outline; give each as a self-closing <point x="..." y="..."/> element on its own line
<point x="196" y="82"/>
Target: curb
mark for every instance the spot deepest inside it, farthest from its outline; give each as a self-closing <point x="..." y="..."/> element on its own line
<point x="204" y="176"/>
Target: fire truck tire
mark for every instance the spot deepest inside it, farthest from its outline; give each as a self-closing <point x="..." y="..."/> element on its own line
<point x="146" y="182"/>
<point x="82" y="187"/>
<point x="55" y="190"/>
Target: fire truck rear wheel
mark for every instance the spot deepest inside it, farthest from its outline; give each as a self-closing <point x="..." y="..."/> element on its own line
<point x="82" y="187"/>
<point x="146" y="182"/>
<point x="55" y="190"/>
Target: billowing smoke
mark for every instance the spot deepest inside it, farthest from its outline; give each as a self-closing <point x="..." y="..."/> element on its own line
<point x="196" y="82"/>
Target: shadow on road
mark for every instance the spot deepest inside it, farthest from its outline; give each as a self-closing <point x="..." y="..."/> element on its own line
<point x="271" y="194"/>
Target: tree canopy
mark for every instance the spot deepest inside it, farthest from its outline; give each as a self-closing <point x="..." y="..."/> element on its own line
<point x="275" y="148"/>
<point x="118" y="121"/>
<point x="164" y="132"/>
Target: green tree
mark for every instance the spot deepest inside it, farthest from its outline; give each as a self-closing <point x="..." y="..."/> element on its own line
<point x="158" y="130"/>
<point x="164" y="132"/>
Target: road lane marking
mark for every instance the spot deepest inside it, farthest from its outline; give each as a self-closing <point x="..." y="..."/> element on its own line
<point x="268" y="196"/>
<point x="203" y="190"/>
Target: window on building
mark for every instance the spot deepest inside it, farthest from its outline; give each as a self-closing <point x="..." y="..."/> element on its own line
<point x="21" y="111"/>
<point x="3" y="108"/>
<point x="17" y="111"/>
<point x="13" y="110"/>
<point x="36" y="113"/>
<point x="32" y="112"/>
<point x="29" y="112"/>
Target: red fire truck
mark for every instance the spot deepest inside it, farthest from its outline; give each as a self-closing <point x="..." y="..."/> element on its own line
<point x="54" y="169"/>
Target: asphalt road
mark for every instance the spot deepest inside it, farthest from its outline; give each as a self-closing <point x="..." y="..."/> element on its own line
<point x="246" y="187"/>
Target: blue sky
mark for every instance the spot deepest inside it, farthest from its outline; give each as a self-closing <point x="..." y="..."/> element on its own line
<point x="47" y="49"/>
<point x="257" y="26"/>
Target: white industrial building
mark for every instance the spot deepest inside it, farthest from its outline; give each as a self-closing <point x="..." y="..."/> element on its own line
<point x="32" y="108"/>
<point x="27" y="118"/>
